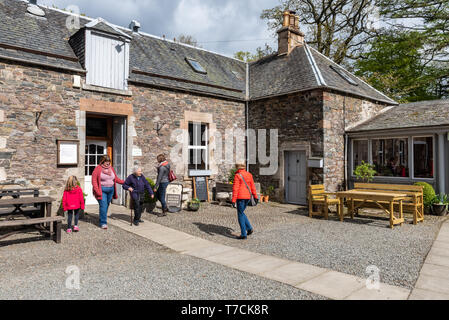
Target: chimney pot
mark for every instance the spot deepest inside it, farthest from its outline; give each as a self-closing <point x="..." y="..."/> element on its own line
<point x="289" y="35"/>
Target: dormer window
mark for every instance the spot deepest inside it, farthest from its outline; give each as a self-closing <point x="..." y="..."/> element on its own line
<point x="103" y="50"/>
<point x="196" y="66"/>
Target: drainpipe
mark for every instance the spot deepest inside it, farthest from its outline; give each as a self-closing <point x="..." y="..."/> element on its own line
<point x="247" y="116"/>
<point x="441" y="169"/>
<point x="346" y="161"/>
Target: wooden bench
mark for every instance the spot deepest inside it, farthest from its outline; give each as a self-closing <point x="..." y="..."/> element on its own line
<point x="413" y="203"/>
<point x="18" y="193"/>
<point x="55" y="221"/>
<point x="318" y="197"/>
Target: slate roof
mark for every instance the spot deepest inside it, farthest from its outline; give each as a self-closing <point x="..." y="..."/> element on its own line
<point x="159" y="62"/>
<point x="303" y="69"/>
<point x="162" y="61"/>
<point x="410" y="115"/>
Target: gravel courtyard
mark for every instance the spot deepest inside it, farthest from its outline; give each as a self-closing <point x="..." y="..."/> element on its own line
<point x="350" y="247"/>
<point x="115" y="264"/>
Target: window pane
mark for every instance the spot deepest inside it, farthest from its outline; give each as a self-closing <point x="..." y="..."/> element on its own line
<point x="360" y="152"/>
<point x="390" y="157"/>
<point x="197" y="159"/>
<point x="204" y="137"/>
<point x="92" y="149"/>
<point x="91" y="170"/>
<point x="100" y="150"/>
<point x="423" y="157"/>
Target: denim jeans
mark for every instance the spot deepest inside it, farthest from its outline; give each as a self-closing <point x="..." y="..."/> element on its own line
<point x="243" y="219"/>
<point x="161" y="193"/>
<point x="108" y="193"/>
<point x="70" y="214"/>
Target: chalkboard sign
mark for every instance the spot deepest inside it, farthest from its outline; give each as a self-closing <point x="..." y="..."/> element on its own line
<point x="173" y="197"/>
<point x="201" y="188"/>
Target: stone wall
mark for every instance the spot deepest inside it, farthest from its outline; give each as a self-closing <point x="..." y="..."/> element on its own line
<point x="341" y="112"/>
<point x="38" y="106"/>
<point x="299" y="119"/>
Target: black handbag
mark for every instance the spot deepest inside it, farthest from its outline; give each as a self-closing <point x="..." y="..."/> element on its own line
<point x="253" y="202"/>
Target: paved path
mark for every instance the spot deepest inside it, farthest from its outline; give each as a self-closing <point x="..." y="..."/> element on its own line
<point x="433" y="281"/>
<point x="325" y="282"/>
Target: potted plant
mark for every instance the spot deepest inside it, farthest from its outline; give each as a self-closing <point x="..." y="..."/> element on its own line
<point x="429" y="196"/>
<point x="231" y="176"/>
<point x="365" y="172"/>
<point x="439" y="205"/>
<point x="194" y="204"/>
<point x="269" y="193"/>
<point x="150" y="203"/>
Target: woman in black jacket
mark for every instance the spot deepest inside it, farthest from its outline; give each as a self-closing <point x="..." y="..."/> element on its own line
<point x="162" y="181"/>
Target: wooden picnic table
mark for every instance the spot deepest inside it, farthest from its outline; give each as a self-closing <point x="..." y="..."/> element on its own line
<point x="383" y="200"/>
<point x="45" y="218"/>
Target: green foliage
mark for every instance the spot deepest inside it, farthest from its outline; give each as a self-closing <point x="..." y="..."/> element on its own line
<point x="231" y="176"/>
<point x="441" y="199"/>
<point x="395" y="66"/>
<point x="429" y="193"/>
<point x="260" y="53"/>
<point x="195" y="200"/>
<point x="269" y="191"/>
<point x="365" y="172"/>
<point x="148" y="199"/>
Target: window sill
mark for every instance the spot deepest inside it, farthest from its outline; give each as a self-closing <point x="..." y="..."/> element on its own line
<point x="89" y="87"/>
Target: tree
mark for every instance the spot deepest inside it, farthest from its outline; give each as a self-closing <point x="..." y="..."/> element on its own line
<point x="259" y="54"/>
<point x="337" y="28"/>
<point x="394" y="65"/>
<point x="430" y="18"/>
<point x="186" y="39"/>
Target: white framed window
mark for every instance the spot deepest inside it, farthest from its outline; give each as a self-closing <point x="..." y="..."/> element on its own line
<point x="198" y="147"/>
<point x="360" y="152"/>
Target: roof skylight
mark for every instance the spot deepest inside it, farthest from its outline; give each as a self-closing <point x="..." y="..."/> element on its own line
<point x="343" y="74"/>
<point x="196" y="66"/>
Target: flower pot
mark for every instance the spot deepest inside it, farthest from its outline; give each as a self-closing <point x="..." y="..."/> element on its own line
<point x="193" y="206"/>
<point x="149" y="207"/>
<point x="439" y="209"/>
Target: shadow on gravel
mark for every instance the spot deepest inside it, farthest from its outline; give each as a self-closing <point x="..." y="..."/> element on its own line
<point x="212" y="229"/>
<point x="31" y="236"/>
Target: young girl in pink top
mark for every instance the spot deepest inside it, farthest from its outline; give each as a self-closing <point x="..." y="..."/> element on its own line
<point x="72" y="202"/>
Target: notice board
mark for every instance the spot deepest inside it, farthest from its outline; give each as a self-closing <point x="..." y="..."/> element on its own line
<point x="201" y="188"/>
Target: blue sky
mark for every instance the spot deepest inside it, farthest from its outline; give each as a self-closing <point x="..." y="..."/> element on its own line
<point x="214" y="23"/>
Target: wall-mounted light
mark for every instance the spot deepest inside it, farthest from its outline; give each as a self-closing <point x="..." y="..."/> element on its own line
<point x="158" y="125"/>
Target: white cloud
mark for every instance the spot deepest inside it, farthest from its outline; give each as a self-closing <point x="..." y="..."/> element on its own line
<point x="213" y="23"/>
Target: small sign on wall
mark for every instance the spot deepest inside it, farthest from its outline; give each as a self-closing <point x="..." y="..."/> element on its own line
<point x="68" y="152"/>
<point x="316" y="163"/>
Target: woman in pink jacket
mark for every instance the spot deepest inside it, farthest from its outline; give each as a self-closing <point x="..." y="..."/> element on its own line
<point x="72" y="202"/>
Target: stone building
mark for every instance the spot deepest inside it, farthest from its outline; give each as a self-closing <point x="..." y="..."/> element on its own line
<point x="312" y="101"/>
<point x="122" y="92"/>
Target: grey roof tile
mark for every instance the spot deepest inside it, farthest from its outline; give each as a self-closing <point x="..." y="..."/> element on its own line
<point x="411" y="115"/>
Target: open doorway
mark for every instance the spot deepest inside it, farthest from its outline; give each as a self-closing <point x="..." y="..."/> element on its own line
<point x="105" y="135"/>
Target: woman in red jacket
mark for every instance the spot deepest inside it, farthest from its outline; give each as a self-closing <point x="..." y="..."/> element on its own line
<point x="241" y="197"/>
<point x="104" y="181"/>
<point x="72" y="202"/>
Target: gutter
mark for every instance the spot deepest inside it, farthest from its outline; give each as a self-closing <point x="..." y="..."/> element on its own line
<point x="42" y="64"/>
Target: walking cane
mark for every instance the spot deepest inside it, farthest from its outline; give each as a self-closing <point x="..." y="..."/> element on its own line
<point x="131" y="205"/>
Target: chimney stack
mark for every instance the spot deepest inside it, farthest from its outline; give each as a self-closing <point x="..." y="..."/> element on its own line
<point x="289" y="36"/>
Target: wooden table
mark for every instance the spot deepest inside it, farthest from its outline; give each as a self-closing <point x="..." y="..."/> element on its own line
<point x="45" y="218"/>
<point x="379" y="198"/>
